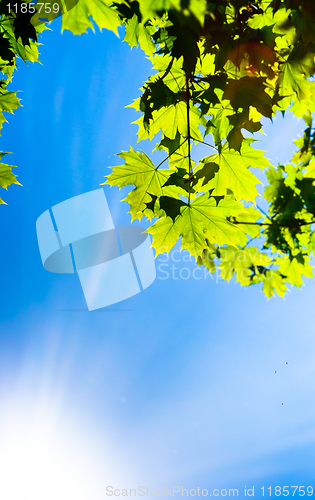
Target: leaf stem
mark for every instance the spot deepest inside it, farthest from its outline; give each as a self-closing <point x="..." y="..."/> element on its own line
<point x="168" y="156"/>
<point x="251" y="240"/>
<point x="263" y="212"/>
<point x="252" y="223"/>
<point x="202" y="142"/>
<point x="188" y="131"/>
<point x="273" y="223"/>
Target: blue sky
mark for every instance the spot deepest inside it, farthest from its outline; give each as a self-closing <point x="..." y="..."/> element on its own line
<point x="174" y="386"/>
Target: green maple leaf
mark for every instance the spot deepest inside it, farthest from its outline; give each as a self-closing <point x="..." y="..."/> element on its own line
<point x="233" y="171"/>
<point x="7" y="178"/>
<point x="170" y="120"/>
<point x="156" y="96"/>
<point x="177" y="152"/>
<point x="136" y="32"/>
<point x="304" y="155"/>
<point x="207" y="258"/>
<point x="219" y="125"/>
<point x="267" y="17"/>
<point x="242" y="262"/>
<point x="170" y="69"/>
<point x="294" y="83"/>
<point x="199" y="9"/>
<point x="273" y="283"/>
<point x="132" y="31"/>
<point x="8" y="101"/>
<point x="138" y="170"/>
<point x="247" y="219"/>
<point x="310" y="171"/>
<point x="202" y="221"/>
<point x="145" y="40"/>
<point x="8" y="68"/>
<point x="151" y="8"/>
<point x="77" y="20"/>
<point x="275" y="177"/>
<point x="178" y="163"/>
<point x="27" y="52"/>
<point x="293" y="269"/>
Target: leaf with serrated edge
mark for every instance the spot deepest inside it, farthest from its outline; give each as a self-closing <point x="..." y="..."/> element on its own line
<point x="77" y="20"/>
<point x="203" y="220"/>
<point x="233" y="172"/>
<point x="7" y="178"/>
<point x="139" y="171"/>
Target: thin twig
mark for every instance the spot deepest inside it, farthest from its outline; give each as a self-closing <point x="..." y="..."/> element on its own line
<point x="171" y="154"/>
<point x="274" y="223"/>
<point x="202" y="142"/>
<point x="188" y="130"/>
<point x="252" y="223"/>
<point x="263" y="212"/>
<point x="252" y="239"/>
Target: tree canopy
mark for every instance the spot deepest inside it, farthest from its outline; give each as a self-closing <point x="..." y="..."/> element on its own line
<point x="219" y="68"/>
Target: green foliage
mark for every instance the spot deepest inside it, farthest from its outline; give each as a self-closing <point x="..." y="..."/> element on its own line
<point x="77" y="20"/>
<point x="7" y="178"/>
<point x="218" y="69"/>
<point x="18" y="41"/>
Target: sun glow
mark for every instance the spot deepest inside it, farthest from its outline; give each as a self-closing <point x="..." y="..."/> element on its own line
<point x="43" y="457"/>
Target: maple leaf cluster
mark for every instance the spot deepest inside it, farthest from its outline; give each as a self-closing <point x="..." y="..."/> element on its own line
<point x="219" y="69"/>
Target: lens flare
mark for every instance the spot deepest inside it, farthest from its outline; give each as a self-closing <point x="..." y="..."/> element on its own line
<point x="44" y="457"/>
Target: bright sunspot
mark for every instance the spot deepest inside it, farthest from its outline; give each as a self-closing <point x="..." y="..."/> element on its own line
<point x="42" y="457"/>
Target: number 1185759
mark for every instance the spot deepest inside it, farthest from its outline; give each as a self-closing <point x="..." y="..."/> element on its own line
<point x="285" y="491"/>
<point x="31" y="8"/>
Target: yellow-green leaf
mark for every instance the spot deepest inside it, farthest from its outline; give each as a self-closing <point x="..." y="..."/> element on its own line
<point x="77" y="20"/>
